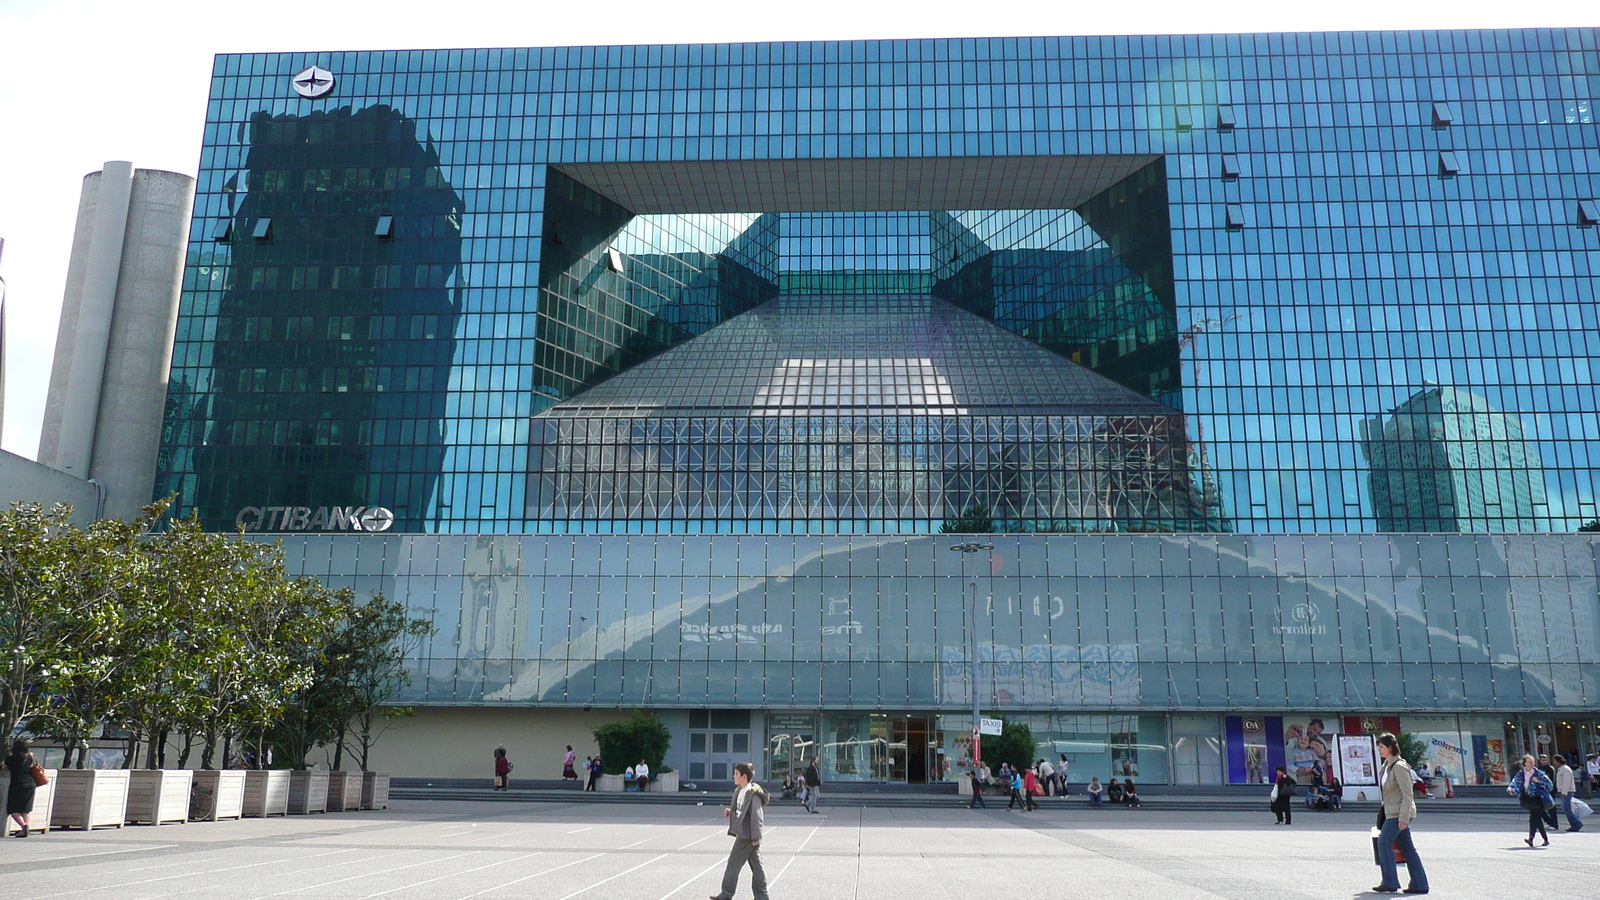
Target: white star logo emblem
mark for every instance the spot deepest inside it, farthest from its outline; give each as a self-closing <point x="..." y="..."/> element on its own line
<point x="313" y="82"/>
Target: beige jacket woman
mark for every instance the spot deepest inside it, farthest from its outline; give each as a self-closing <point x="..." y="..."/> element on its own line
<point x="1399" y="797"/>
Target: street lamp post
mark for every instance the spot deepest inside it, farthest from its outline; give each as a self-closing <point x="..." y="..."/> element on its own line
<point x="966" y="549"/>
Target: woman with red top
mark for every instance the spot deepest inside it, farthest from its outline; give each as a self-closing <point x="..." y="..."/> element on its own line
<point x="1030" y="789"/>
<point x="502" y="769"/>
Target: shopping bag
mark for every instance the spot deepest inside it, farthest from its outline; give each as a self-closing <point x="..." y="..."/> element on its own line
<point x="1580" y="809"/>
<point x="1399" y="854"/>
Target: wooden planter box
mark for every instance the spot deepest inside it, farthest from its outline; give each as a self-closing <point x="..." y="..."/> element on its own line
<point x="217" y="794"/>
<point x="374" y="790"/>
<point x="43" y="799"/>
<point x="665" y="783"/>
<point x="344" y="791"/>
<point x="266" y="792"/>
<point x="158" y="796"/>
<point x="90" y="798"/>
<point x="308" y="792"/>
<point x="611" y="784"/>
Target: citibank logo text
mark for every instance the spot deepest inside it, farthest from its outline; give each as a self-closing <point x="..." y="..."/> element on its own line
<point x="304" y="518"/>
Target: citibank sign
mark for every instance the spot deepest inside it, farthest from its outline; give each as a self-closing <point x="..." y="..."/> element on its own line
<point x="304" y="518"/>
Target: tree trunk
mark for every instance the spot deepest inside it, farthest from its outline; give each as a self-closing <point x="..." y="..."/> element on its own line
<point x="188" y="744"/>
<point x="338" y="752"/>
<point x="132" y="752"/>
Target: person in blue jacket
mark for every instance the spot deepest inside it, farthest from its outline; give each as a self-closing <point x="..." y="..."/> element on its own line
<point x="1532" y="789"/>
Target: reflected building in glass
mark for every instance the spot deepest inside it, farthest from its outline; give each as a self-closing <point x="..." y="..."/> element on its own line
<point x="1445" y="460"/>
<point x="651" y="375"/>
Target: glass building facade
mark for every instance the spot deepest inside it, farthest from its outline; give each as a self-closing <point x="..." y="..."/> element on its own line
<point x="668" y="362"/>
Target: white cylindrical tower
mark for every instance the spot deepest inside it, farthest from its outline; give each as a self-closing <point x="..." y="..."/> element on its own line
<point x="109" y="383"/>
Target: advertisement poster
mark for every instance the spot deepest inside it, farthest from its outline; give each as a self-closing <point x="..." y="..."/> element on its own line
<point x="1445" y="755"/>
<point x="1253" y="746"/>
<point x="1358" y="757"/>
<point x="1489" y="756"/>
<point x="1308" y="748"/>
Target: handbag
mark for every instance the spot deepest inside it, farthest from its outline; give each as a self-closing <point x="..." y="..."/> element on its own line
<point x="1274" y="793"/>
<point x="39" y="778"/>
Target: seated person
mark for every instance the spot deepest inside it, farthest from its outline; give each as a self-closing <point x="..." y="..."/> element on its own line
<point x="1096" y="791"/>
<point x="1114" y="791"/>
<point x="1335" y="792"/>
<point x="1130" y="794"/>
<point x="788" y="787"/>
<point x="641" y="773"/>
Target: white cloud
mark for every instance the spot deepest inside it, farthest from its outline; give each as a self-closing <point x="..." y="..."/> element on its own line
<point x="84" y="81"/>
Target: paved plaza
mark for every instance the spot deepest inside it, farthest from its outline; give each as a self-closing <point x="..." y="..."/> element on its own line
<point x="469" y="850"/>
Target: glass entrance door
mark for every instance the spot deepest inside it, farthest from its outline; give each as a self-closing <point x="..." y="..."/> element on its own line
<point x="913" y="758"/>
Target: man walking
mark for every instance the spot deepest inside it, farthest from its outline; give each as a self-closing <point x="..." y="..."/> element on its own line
<point x="813" y="786"/>
<point x="1551" y="819"/>
<point x="1567" y="787"/>
<point x="977" y="790"/>
<point x="745" y="818"/>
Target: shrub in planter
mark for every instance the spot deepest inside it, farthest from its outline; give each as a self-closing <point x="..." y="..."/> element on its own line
<point x="640" y="736"/>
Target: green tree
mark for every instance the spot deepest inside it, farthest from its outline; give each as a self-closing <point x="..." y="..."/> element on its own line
<point x="1592" y="525"/>
<point x="1412" y="749"/>
<point x="96" y="577"/>
<point x="640" y="736"/>
<point x="975" y="519"/>
<point x="1015" y="745"/>
<point x="369" y="654"/>
<point x="30" y="612"/>
<point x="313" y="713"/>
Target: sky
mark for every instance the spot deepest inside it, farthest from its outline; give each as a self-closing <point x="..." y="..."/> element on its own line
<point x="85" y="81"/>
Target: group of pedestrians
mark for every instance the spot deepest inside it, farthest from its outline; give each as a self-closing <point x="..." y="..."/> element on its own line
<point x="1022" y="784"/>
<point x="807" y="786"/>
<point x="1538" y="787"/>
<point x="637" y="775"/>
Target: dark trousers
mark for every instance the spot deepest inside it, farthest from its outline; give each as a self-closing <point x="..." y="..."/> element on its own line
<point x="1536" y="824"/>
<point x="1284" y="810"/>
<point x="1388" y="836"/>
<point x="977" y="798"/>
<point x="592" y="779"/>
<point x="744" y="852"/>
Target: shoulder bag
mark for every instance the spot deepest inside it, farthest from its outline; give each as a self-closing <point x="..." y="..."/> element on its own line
<point x="39" y="778"/>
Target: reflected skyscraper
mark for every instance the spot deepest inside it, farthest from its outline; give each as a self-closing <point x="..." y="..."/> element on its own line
<point x="332" y="280"/>
<point x="1446" y="460"/>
